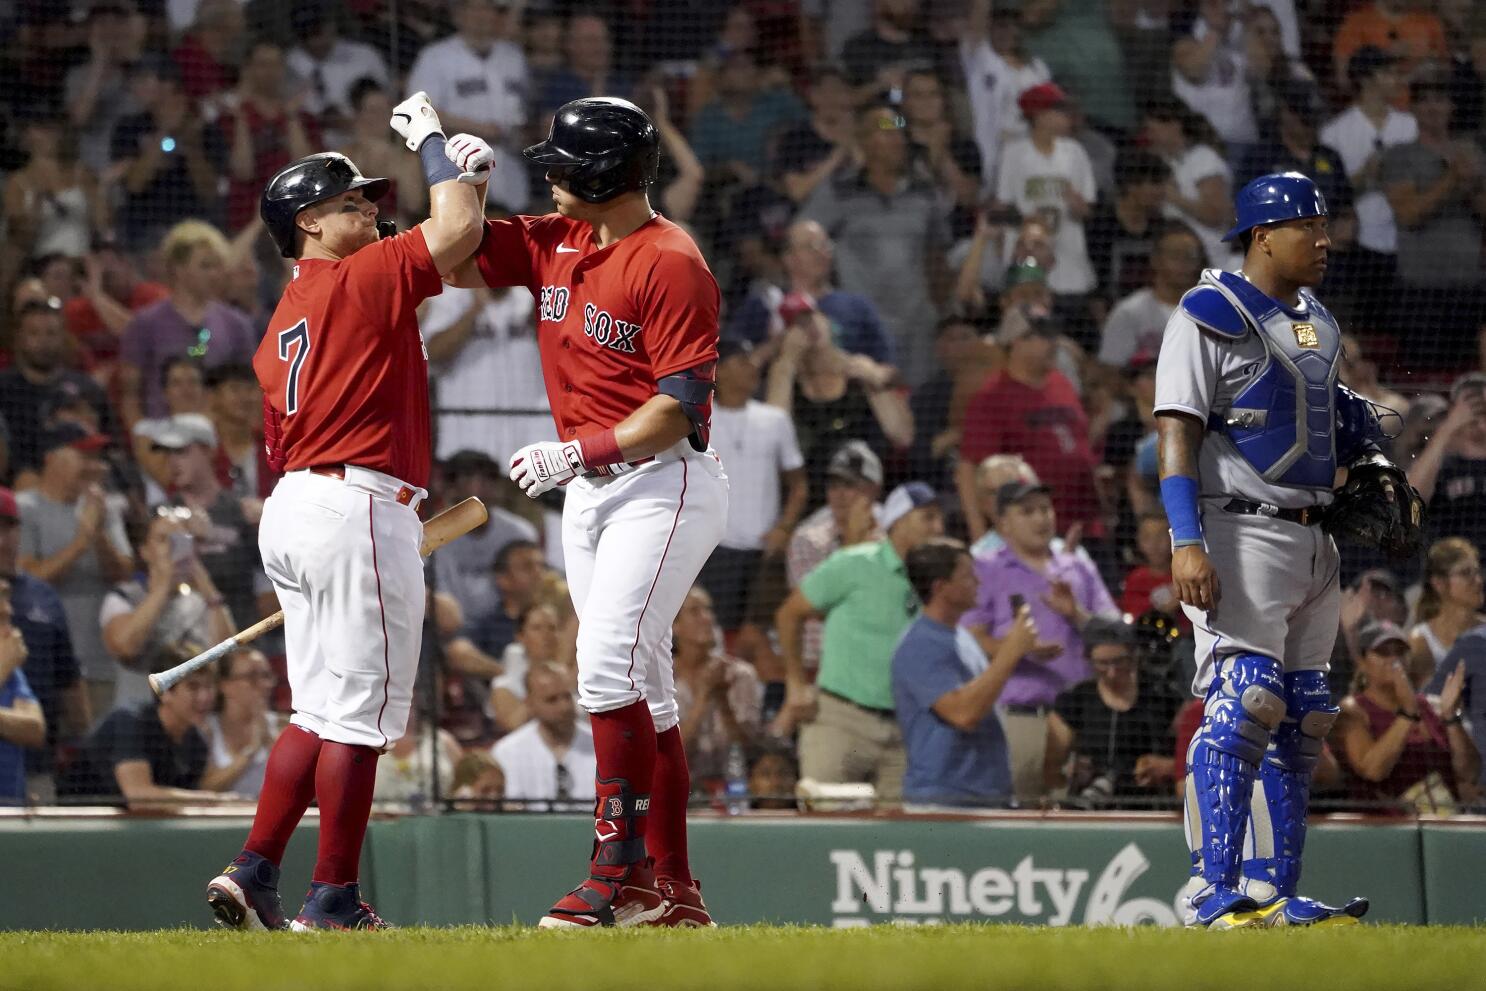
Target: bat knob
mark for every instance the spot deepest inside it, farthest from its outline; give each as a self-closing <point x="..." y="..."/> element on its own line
<point x="155" y="685"/>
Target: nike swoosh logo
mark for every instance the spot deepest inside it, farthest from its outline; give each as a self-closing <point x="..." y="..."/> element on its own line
<point x="564" y="249"/>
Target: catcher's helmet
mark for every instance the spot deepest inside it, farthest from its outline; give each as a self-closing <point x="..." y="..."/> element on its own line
<point x="306" y="182"/>
<point x="601" y="146"/>
<point x="1273" y="198"/>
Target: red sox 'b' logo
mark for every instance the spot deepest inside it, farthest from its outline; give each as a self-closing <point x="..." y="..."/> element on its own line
<point x="616" y="807"/>
<point x="606" y="330"/>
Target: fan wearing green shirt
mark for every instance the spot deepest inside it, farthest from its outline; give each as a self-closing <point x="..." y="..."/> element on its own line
<point x="850" y="733"/>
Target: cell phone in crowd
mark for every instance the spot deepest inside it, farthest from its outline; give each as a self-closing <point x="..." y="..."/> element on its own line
<point x="1017" y="601"/>
<point x="182" y="546"/>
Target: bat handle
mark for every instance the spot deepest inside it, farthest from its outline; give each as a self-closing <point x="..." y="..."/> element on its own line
<point x="164" y="681"/>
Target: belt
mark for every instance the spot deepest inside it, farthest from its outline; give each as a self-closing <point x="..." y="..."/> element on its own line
<point x="886" y="713"/>
<point x="405" y="494"/>
<point x="1027" y="710"/>
<point x="1309" y="516"/>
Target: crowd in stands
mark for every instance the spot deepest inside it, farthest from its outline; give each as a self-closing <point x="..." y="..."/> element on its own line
<point x="949" y="234"/>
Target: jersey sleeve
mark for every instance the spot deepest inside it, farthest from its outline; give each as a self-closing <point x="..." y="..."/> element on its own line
<point x="504" y="258"/>
<point x="678" y="306"/>
<point x="1187" y="369"/>
<point x="393" y="273"/>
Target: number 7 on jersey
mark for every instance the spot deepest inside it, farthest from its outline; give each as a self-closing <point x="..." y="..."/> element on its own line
<point x="300" y="333"/>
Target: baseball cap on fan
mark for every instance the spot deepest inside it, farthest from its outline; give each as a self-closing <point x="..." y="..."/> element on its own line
<point x="854" y="461"/>
<point x="904" y="500"/>
<point x="1378" y="632"/>
<point x="178" y="432"/>
<point x="71" y="435"/>
<point x="1044" y="96"/>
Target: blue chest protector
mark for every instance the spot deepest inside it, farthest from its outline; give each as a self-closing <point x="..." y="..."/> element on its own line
<point x="1283" y="420"/>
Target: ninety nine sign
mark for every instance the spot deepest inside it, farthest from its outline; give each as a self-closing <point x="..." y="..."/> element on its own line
<point x="891" y="886"/>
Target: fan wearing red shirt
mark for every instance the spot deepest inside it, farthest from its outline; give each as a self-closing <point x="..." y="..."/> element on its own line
<point x="1148" y="585"/>
<point x="627" y="329"/>
<point x="345" y="381"/>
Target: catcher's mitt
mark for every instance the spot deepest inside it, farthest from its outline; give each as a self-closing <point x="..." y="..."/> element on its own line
<point x="1378" y="508"/>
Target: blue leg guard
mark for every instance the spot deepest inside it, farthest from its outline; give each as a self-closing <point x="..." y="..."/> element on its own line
<point x="1244" y="706"/>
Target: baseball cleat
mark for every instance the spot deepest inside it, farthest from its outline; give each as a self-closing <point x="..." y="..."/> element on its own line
<point x="246" y="894"/>
<point x="335" y="906"/>
<point x="1299" y="911"/>
<point x="599" y="901"/>
<point x="1226" y="908"/>
<point x="682" y="906"/>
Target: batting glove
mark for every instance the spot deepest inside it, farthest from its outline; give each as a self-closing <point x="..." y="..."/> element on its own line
<point x="471" y="156"/>
<point x="415" y="120"/>
<point x="539" y="468"/>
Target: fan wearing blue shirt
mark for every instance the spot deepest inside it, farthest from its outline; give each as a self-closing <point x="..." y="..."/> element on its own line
<point x="945" y="688"/>
<point x="21" y="723"/>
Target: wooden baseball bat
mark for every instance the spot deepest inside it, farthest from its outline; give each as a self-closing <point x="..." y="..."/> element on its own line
<point x="452" y="523"/>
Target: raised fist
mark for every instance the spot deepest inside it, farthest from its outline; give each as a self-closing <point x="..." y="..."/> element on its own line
<point x="472" y="156"/>
<point x="415" y="120"/>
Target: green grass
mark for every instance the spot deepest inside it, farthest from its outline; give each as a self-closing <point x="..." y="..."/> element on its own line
<point x="963" y="956"/>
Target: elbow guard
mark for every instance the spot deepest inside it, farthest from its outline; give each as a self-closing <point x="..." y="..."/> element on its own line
<point x="692" y="388"/>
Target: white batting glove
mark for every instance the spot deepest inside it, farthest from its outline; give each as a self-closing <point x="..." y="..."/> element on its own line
<point x="539" y="468"/>
<point x="415" y="120"/>
<point x="471" y="156"/>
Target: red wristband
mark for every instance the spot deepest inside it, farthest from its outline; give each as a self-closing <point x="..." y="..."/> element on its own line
<point x="600" y="449"/>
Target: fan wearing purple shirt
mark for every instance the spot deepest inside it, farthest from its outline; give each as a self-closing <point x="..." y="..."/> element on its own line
<point x="1064" y="592"/>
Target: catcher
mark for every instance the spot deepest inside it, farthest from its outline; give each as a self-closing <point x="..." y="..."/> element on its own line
<point x="1253" y="427"/>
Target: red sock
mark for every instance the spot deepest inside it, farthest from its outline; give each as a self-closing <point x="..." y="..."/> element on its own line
<point x="666" y="835"/>
<point x="624" y="744"/>
<point x="288" y="789"/>
<point x="343" y="783"/>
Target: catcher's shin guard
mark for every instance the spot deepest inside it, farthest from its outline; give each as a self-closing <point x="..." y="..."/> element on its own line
<point x="1245" y="704"/>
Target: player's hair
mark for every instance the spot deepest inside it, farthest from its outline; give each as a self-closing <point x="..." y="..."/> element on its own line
<point x="1443" y="557"/>
<point x="178" y="359"/>
<point x="502" y="562"/>
<point x="933" y="562"/>
<point x="182" y="240"/>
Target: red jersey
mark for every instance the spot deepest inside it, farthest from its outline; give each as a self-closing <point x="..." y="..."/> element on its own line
<point x="611" y="321"/>
<point x="343" y="367"/>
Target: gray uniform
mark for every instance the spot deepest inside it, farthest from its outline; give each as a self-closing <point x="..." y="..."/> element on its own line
<point x="1278" y="589"/>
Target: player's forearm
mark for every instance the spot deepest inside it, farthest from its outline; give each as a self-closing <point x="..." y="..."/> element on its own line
<point x="455" y="224"/>
<point x="1178" y="439"/>
<point x="656" y="426"/>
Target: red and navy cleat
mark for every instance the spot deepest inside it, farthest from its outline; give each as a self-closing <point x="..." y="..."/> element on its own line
<point x="682" y="906"/>
<point x="335" y="906"/>
<point x="601" y="901"/>
<point x="246" y="894"/>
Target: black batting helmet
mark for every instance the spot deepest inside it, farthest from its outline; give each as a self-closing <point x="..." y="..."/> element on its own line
<point x="601" y="146"/>
<point x="305" y="183"/>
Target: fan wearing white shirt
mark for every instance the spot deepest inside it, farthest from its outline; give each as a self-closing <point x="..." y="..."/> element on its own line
<point x="758" y="447"/>
<point x="550" y="759"/>
<point x="1201" y="190"/>
<point x="997" y="71"/>
<point x="330" y="65"/>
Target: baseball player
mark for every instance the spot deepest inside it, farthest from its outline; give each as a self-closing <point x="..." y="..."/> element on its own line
<point x="1253" y="426"/>
<point x="346" y="417"/>
<point x="627" y="327"/>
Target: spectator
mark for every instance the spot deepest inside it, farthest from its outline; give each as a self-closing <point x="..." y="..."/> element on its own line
<point x="167" y="612"/>
<point x="806" y="258"/>
<point x="1449" y="605"/>
<point x="37" y="383"/>
<point x="877" y="58"/>
<point x="679" y="197"/>
<point x="1434" y="187"/>
<point x="72" y="538"/>
<point x="1121" y="232"/>
<point x="1375" y="594"/>
<point x="1407" y="30"/>
<point x="235" y="405"/>
<point x="192" y="321"/>
<point x="52" y="206"/>
<point x="1399" y="747"/>
<point x="731" y="134"/>
<point x="766" y="475"/>
<point x="1210" y="74"/>
<point x="1048" y="175"/>
<point x="333" y="66"/>
<point x="185" y="392"/>
<point x="22" y="723"/>
<point x="265" y="130"/>
<point x="587" y="69"/>
<point x="1271" y="68"/>
<point x="865" y="598"/>
<point x="518" y="569"/>
<point x="1114" y="731"/>
<point x="405" y="774"/>
<point x="243" y="727"/>
<point x="1450" y="473"/>
<point x="833" y="397"/>
<point x="550" y="760"/>
<point x="935" y="140"/>
<point x="96" y="91"/>
<point x="537" y="643"/>
<point x="938" y="419"/>
<point x="112" y="292"/>
<point x="1064" y="592"/>
<point x="719" y="697"/>
<point x="1031" y="409"/>
<point x="1470" y="652"/>
<point x="1148" y="585"/>
<point x="377" y="150"/>
<point x="978" y="502"/>
<point x="809" y="152"/>
<point x="150" y="754"/>
<point x="773" y="774"/>
<point x="890" y="231"/>
<point x="1079" y="44"/>
<point x="997" y="70"/>
<point x="1137" y="322"/>
<point x="1360" y="374"/>
<point x="51" y="669"/>
<point x="170" y="158"/>
<point x="945" y="689"/>
<point x="477" y="78"/>
<point x="464" y="567"/>
<point x="210" y="53"/>
<point x="1200" y="193"/>
<point x="1361" y="135"/>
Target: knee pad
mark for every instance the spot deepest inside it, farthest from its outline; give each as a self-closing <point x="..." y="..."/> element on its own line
<point x="1309" y="716"/>
<point x="1245" y="705"/>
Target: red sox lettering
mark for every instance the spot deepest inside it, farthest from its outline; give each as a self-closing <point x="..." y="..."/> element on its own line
<point x="608" y="331"/>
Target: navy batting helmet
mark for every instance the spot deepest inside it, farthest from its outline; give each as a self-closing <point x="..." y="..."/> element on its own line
<point x="1274" y="198"/>
<point x="600" y="146"/>
<point x="305" y="183"/>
